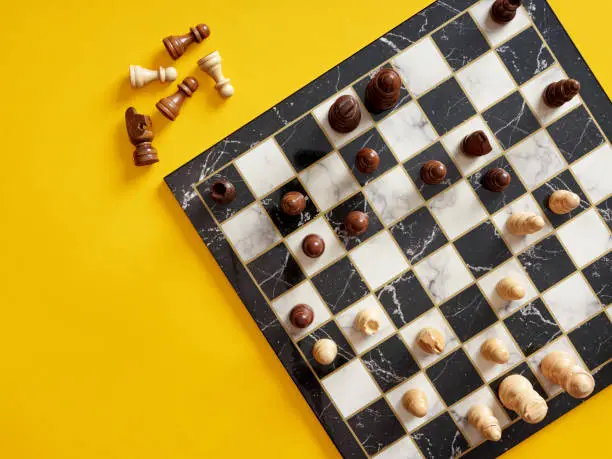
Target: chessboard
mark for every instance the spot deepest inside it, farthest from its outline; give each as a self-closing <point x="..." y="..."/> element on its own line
<point x="432" y="254"/>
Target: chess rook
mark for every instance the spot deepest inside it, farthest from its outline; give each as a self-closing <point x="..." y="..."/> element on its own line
<point x="344" y="114"/>
<point x="496" y="180"/>
<point x="222" y="192"/>
<point x="482" y="418"/>
<point x="356" y="222"/>
<point x="293" y="203"/>
<point x="433" y="172"/>
<point x="139" y="76"/>
<point x="517" y="394"/>
<point x="560" y="92"/>
<point x="176" y="45"/>
<point x="170" y="106"/>
<point x="383" y="91"/>
<point x="561" y="369"/>
<point x="140" y="131"/>
<point x="523" y="223"/>
<point x="367" y="161"/>
<point x="211" y="64"/>
<point x="504" y="11"/>
<point x="563" y="202"/>
<point x="476" y="144"/>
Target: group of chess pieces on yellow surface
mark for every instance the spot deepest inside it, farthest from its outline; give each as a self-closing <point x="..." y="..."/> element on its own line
<point x="139" y="126"/>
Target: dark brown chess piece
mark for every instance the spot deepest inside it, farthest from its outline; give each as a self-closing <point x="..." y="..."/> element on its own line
<point x="313" y="246"/>
<point x="293" y="203"/>
<point x="367" y="161"/>
<point x="344" y="114"/>
<point x="504" y="11"/>
<point x="496" y="179"/>
<point x="560" y="92"/>
<point x="433" y="172"/>
<point x="476" y="144"/>
<point x="171" y="106"/>
<point x="140" y="131"/>
<point x="383" y="91"/>
<point x="301" y="316"/>
<point x="177" y="44"/>
<point x="222" y="191"/>
<point x="356" y="222"/>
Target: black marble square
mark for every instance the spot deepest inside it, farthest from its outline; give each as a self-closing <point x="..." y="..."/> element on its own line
<point x="340" y="285"/>
<point x="564" y="181"/>
<point x="360" y="89"/>
<point x="461" y="41"/>
<point x="511" y="120"/>
<point x="482" y="249"/>
<point x="599" y="275"/>
<point x="435" y="152"/>
<point x="404" y="299"/>
<point x="276" y="271"/>
<point x="446" y="106"/>
<point x="390" y="363"/>
<point x="418" y="235"/>
<point x="440" y="438"/>
<point x="532" y="327"/>
<point x="330" y="331"/>
<point x="371" y="139"/>
<point x="523" y="370"/>
<point x="286" y="224"/>
<point x="525" y="55"/>
<point x="546" y="263"/>
<point x="605" y="210"/>
<point x="304" y="142"/>
<point x="376" y="426"/>
<point x="336" y="217"/>
<point x="576" y="134"/>
<point x="468" y="313"/>
<point x="454" y="377"/>
<point x="593" y="340"/>
<point x="494" y="201"/>
<point x="243" y="198"/>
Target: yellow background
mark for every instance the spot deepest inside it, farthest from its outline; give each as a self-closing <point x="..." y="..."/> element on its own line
<point x="119" y="336"/>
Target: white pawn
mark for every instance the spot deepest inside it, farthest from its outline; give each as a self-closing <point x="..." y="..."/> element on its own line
<point x="139" y="76"/>
<point x="211" y="64"/>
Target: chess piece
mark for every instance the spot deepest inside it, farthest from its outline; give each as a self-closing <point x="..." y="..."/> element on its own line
<point x="367" y="161"/>
<point x="356" y="222"/>
<point x="367" y="321"/>
<point x="211" y="64"/>
<point x="517" y="394"/>
<point x="222" y="192"/>
<point x="313" y="246"/>
<point x="293" y="203"/>
<point x="509" y="289"/>
<point x="504" y="11"/>
<point x="325" y="351"/>
<point x="483" y="419"/>
<point x="383" y="91"/>
<point x="344" y="114"/>
<point x="433" y="172"/>
<point x="562" y="369"/>
<point x="171" y="106"/>
<point x="560" y="92"/>
<point x="523" y="223"/>
<point x="494" y="350"/>
<point x="139" y="76"/>
<point x="563" y="201"/>
<point x="140" y="132"/>
<point x="496" y="179"/>
<point x="301" y="316"/>
<point x="431" y="340"/>
<point x="415" y="401"/>
<point x="176" y="45"/>
<point x="476" y="144"/>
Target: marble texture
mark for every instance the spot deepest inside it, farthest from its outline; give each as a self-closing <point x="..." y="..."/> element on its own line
<point x="532" y="327"/>
<point x="593" y="173"/>
<point x="546" y="263"/>
<point x="340" y="295"/>
<point x="390" y="363"/>
<point x="447" y="106"/>
<point x="460" y="41"/>
<point x="604" y="209"/>
<point x="303" y="142"/>
<point x="418" y="235"/>
<point x="454" y="376"/>
<point x="593" y="340"/>
<point x="468" y="313"/>
<point x="276" y="271"/>
<point x="286" y="224"/>
<point x="376" y="426"/>
<point x="511" y="120"/>
<point x="440" y="438"/>
<point x="404" y="299"/>
<point x="498" y="33"/>
<point x="599" y="276"/>
<point x="403" y="449"/>
<point x="576" y="134"/>
<point x="585" y="237"/>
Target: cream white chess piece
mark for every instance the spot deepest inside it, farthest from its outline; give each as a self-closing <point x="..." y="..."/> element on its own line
<point x="139" y="76"/>
<point x="483" y="419"/>
<point x="523" y="223"/>
<point x="563" y="201"/>
<point x="517" y="394"/>
<point x="561" y="368"/>
<point x="211" y="64"/>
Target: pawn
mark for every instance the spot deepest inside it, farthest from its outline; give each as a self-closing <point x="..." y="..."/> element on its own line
<point x="344" y="114"/>
<point x="476" y="144"/>
<point x="139" y="76"/>
<point x="431" y="341"/>
<point x="509" y="289"/>
<point x="367" y="322"/>
<point x="562" y="369"/>
<point x="433" y="172"/>
<point x="494" y="350"/>
<point x="560" y="92"/>
<point x="516" y="393"/>
<point x="325" y="351"/>
<point x="301" y="316"/>
<point x="504" y="11"/>
<point x="176" y="45"/>
<point x="313" y="246"/>
<point x="211" y="64"/>
<point x="367" y="161"/>
<point x="523" y="223"/>
<point x="140" y="131"/>
<point x="223" y="192"/>
<point x="170" y="106"/>
<point x="563" y="202"/>
<point x="293" y="203"/>
<point x="496" y="179"/>
<point x="356" y="222"/>
<point x="483" y="419"/>
<point x="415" y="401"/>
<point x="383" y="91"/>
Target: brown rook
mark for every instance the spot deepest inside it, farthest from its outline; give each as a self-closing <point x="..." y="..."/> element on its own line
<point x="556" y="94"/>
<point x="170" y="106"/>
<point x="476" y="144"/>
<point x="504" y="11"/>
<point x="293" y="203"/>
<point x="496" y="179"/>
<point x="367" y="161"/>
<point x="301" y="316"/>
<point x="383" y="91"/>
<point x="222" y="191"/>
<point x="433" y="172"/>
<point x="176" y="45"/>
<point x="313" y="246"/>
<point x="344" y="114"/>
<point x="356" y="222"/>
<point x="140" y="132"/>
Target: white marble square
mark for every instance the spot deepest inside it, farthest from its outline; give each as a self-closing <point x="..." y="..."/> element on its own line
<point x="488" y="283"/>
<point x="593" y="173"/>
<point x="571" y="301"/>
<point x="452" y="142"/>
<point x="536" y="159"/>
<point x="407" y="131"/>
<point x="609" y="312"/>
<point x="457" y="209"/>
<point x="251" y="231"/>
<point x="338" y="138"/>
<point x="534" y="90"/>
<point x="524" y="204"/>
<point x="333" y="248"/>
<point x="351" y="387"/>
<point x="393" y="195"/>
<point x="403" y="449"/>
<point x="585" y="237"/>
<point x="360" y="341"/>
<point x="434" y="404"/>
<point x="491" y="370"/>
<point x="264" y="167"/>
<point x="422" y="66"/>
<point x="329" y="181"/>
<point x="486" y="80"/>
<point x="498" y="33"/>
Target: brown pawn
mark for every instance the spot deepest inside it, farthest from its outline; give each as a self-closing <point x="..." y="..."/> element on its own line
<point x="344" y="114"/>
<point x="313" y="246"/>
<point x="556" y="94"/>
<point x="496" y="179"/>
<point x="356" y="222"/>
<point x="433" y="172"/>
<point x="504" y="11"/>
<point x="367" y="161"/>
<point x="223" y="191"/>
<point x="140" y="132"/>
<point x="177" y="44"/>
<point x="476" y="144"/>
<point x="301" y="316"/>
<point x="171" y="106"/>
<point x="383" y="91"/>
<point x="293" y="203"/>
